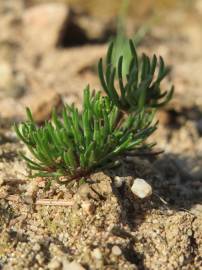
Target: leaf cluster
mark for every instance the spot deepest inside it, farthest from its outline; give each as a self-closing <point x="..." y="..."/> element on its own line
<point x="76" y="143"/>
<point x="142" y="86"/>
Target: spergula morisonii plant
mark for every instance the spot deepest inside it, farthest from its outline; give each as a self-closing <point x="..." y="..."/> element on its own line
<point x="76" y="143"/>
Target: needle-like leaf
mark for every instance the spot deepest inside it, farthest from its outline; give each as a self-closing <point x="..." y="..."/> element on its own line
<point x="78" y="142"/>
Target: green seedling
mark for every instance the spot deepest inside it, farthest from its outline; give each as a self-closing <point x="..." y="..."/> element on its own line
<point x="77" y="143"/>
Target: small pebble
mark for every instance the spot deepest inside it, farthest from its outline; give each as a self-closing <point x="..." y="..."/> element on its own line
<point x="36" y="247"/>
<point x="118" y="181"/>
<point x="88" y="207"/>
<point x="141" y="188"/>
<point x="72" y="266"/>
<point x="189" y="232"/>
<point x="116" y="250"/>
<point x="181" y="260"/>
<point x="54" y="264"/>
<point x="97" y="254"/>
<point x="40" y="258"/>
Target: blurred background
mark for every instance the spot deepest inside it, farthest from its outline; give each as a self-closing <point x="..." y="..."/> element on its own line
<point x="49" y="52"/>
<point x="49" y="49"/>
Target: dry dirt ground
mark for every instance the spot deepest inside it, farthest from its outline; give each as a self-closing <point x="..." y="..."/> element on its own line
<point x="98" y="225"/>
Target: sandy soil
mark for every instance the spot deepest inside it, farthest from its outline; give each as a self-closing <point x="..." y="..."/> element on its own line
<point x="98" y="225"/>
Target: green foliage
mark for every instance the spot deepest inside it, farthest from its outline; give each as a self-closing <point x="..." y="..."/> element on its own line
<point x="121" y="48"/>
<point x="120" y="40"/>
<point x="79" y="142"/>
<point x="140" y="89"/>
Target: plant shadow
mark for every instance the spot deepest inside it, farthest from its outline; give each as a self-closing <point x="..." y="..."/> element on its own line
<point x="176" y="184"/>
<point x="175" y="180"/>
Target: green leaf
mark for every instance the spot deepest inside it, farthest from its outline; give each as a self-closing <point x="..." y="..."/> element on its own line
<point x="109" y="54"/>
<point x="55" y="120"/>
<point x="29" y="115"/>
<point x="101" y="76"/>
<point x="120" y="77"/>
<point x="86" y="127"/>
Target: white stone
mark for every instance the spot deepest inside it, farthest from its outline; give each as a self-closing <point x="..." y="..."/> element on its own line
<point x="97" y="254"/>
<point x="72" y="266"/>
<point x="118" y="181"/>
<point x="54" y="264"/>
<point x="116" y="250"/>
<point x="36" y="247"/>
<point x="141" y="188"/>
